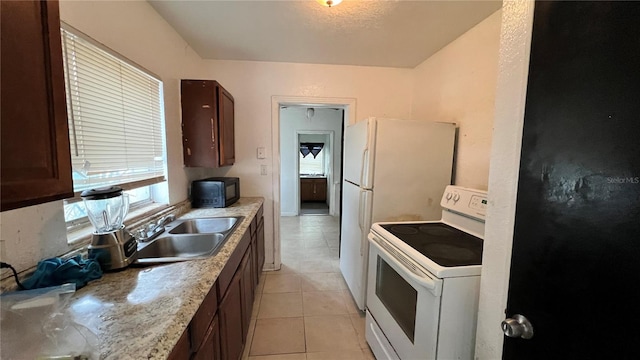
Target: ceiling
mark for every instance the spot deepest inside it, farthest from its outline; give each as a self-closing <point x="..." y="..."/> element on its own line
<point x="365" y="33"/>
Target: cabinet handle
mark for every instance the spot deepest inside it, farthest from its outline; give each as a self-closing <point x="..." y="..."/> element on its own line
<point x="213" y="134"/>
<point x="314" y="188"/>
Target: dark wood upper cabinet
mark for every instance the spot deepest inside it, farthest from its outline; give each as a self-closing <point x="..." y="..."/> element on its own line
<point x="35" y="158"/>
<point x="207" y="124"/>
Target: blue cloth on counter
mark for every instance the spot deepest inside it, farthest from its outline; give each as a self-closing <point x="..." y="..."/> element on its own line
<point x="56" y="271"/>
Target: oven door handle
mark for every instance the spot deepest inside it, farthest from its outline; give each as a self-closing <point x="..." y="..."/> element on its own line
<point x="389" y="253"/>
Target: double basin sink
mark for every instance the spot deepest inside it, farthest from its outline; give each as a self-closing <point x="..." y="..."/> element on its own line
<point x="188" y="239"/>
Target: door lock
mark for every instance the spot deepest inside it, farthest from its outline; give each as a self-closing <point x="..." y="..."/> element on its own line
<point x="517" y="327"/>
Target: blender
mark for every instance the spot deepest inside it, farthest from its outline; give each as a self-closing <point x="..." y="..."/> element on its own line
<point x="111" y="244"/>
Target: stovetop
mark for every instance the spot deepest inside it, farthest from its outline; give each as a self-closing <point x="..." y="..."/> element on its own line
<point x="441" y="243"/>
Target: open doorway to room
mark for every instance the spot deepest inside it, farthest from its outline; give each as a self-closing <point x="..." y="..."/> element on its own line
<point x="301" y="125"/>
<point x="310" y="160"/>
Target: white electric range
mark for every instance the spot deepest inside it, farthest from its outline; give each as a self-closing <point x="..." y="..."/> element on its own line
<point x="424" y="281"/>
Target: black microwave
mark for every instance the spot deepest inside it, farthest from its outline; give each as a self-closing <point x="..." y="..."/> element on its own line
<point x="216" y="192"/>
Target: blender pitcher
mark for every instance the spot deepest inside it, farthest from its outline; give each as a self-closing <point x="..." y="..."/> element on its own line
<point x="106" y="208"/>
<point x="111" y="244"/>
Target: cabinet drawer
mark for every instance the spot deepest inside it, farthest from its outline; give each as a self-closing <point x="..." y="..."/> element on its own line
<point x="230" y="316"/>
<point x="253" y="226"/>
<point x="203" y="317"/>
<point x="260" y="212"/>
<point x="210" y="348"/>
<point x="182" y="350"/>
<point x="232" y="265"/>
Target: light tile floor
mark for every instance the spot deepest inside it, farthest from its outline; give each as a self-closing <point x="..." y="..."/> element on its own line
<point x="305" y="311"/>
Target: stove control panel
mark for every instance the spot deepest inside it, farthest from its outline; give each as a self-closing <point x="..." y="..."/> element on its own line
<point x="478" y="203"/>
<point x="466" y="201"/>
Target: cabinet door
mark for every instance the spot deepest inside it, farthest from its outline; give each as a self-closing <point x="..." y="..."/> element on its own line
<point x="321" y="190"/>
<point x="35" y="157"/>
<point x="230" y="312"/>
<point x="247" y="292"/>
<point x="201" y="321"/>
<point x="260" y="240"/>
<point x="225" y="127"/>
<point x="306" y="190"/>
<point x="199" y="123"/>
<point x="255" y="270"/>
<point x="182" y="350"/>
<point x="210" y="349"/>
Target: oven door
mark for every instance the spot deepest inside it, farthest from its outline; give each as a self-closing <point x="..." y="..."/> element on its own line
<point x="404" y="302"/>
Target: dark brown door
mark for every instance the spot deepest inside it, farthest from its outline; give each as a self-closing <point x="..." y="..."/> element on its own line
<point x="574" y="271"/>
<point x="36" y="162"/>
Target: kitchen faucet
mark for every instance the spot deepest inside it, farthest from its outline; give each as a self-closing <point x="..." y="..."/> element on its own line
<point x="152" y="230"/>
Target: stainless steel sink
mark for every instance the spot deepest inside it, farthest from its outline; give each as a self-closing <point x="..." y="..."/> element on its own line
<point x="188" y="239"/>
<point x="180" y="248"/>
<point x="204" y="225"/>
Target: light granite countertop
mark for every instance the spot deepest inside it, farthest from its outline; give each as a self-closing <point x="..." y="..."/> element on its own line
<point x="141" y="312"/>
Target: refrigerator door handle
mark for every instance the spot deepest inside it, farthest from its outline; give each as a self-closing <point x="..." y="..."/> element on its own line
<point x="361" y="220"/>
<point x="365" y="164"/>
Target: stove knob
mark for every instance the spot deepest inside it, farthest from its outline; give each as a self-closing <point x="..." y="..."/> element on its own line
<point x="456" y="197"/>
<point x="448" y="196"/>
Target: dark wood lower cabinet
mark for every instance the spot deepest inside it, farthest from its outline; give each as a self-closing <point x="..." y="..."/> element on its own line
<point x="210" y="349"/>
<point x="260" y="244"/>
<point x="230" y="313"/>
<point x="257" y="245"/>
<point x="313" y="189"/>
<point x="182" y="350"/>
<point x="246" y="267"/>
<point x="220" y="327"/>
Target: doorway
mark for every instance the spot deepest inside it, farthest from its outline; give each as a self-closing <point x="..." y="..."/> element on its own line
<point x="287" y="149"/>
<point x="316" y="163"/>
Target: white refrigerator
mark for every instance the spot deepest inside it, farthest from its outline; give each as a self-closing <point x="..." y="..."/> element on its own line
<point x="394" y="170"/>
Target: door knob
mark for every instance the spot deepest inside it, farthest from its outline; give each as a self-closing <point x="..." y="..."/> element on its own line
<point x="517" y="327"/>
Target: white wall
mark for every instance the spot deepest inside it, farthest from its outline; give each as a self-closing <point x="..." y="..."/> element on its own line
<point x="457" y="84"/>
<point x="292" y="121"/>
<point x="378" y="91"/>
<point x="515" y="44"/>
<point x="135" y="30"/>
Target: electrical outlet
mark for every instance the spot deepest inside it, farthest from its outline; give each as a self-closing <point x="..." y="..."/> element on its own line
<point x="263" y="169"/>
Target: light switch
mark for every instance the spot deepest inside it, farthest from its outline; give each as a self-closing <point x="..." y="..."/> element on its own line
<point x="261" y="154"/>
<point x="263" y="169"/>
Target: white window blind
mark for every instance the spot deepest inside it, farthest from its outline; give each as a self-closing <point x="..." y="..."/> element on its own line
<point x="115" y="117"/>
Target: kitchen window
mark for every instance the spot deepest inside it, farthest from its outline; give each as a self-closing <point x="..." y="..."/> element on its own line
<point x="312" y="159"/>
<point x="116" y="124"/>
